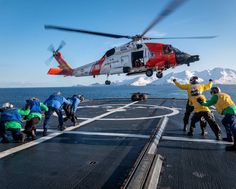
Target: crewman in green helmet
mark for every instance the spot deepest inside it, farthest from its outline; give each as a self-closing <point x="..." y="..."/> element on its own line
<point x="225" y="106"/>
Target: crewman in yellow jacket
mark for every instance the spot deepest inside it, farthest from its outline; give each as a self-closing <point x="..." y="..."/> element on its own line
<point x="193" y="84"/>
<point x="202" y="113"/>
<point x="225" y="106"/>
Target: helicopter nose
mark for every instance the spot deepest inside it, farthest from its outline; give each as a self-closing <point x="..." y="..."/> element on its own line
<point x="193" y="58"/>
<point x="184" y="58"/>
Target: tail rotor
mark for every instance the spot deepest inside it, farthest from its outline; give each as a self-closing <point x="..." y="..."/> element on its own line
<point x="53" y="51"/>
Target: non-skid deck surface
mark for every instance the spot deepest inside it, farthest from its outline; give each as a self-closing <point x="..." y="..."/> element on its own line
<point x="101" y="151"/>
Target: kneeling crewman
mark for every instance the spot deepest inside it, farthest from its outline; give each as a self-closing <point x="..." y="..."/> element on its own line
<point x="70" y="109"/>
<point x="36" y="108"/>
<point x="226" y="106"/>
<point x="11" y="122"/>
<point x="54" y="104"/>
<point x="204" y="114"/>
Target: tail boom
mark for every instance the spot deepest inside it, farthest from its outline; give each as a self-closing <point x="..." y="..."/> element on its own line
<point x="59" y="71"/>
<point x="63" y="69"/>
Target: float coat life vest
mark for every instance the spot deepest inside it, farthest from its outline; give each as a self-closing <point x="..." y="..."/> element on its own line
<point x="55" y="101"/>
<point x="189" y="87"/>
<point x="198" y="107"/>
<point x="74" y="103"/>
<point x="11" y="115"/>
<point x="224" y="101"/>
<point x="35" y="107"/>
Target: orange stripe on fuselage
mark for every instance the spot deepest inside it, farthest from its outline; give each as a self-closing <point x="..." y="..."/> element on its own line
<point x="96" y="68"/>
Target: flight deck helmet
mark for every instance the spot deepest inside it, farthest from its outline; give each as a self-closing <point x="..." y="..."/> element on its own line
<point x="57" y="93"/>
<point x="194" y="80"/>
<point x="7" y="105"/>
<point x="81" y="97"/>
<point x="215" y="90"/>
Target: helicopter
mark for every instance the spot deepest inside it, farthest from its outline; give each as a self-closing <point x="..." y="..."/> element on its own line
<point x="135" y="57"/>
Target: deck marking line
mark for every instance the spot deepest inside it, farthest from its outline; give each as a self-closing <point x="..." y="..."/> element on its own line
<point x="100" y="133"/>
<point x="156" y="173"/>
<point x="185" y="139"/>
<point x="174" y="112"/>
<point x="52" y="135"/>
<point x="108" y="134"/>
<point x="152" y="149"/>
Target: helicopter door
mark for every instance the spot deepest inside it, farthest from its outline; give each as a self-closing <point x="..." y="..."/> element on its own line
<point x="137" y="59"/>
<point x="125" y="61"/>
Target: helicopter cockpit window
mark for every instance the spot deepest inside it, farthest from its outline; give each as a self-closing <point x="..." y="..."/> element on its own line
<point x="110" y="52"/>
<point x="167" y="49"/>
<point x="176" y="50"/>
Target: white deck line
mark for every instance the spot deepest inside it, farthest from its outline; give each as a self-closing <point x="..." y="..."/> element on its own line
<point x="53" y="135"/>
<point x="186" y="139"/>
<point x="108" y="134"/>
<point x="152" y="149"/>
<point x="101" y="134"/>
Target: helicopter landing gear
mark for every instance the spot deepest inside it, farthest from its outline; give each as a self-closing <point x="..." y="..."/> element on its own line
<point x="107" y="82"/>
<point x="149" y="72"/>
<point x="159" y="75"/>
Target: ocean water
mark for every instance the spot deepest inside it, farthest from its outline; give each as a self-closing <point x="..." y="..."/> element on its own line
<point x="17" y="96"/>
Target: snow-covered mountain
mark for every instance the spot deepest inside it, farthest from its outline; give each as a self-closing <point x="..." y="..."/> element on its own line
<point x="219" y="75"/>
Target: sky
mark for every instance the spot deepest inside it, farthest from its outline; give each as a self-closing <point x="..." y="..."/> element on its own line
<point x="24" y="41"/>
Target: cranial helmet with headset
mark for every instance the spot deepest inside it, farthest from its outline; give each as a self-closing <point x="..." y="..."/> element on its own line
<point x="215" y="90"/>
<point x="194" y="80"/>
<point x="7" y="105"/>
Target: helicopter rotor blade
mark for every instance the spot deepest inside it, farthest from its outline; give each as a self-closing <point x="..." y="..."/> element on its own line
<point x="192" y="37"/>
<point x="51" y="48"/>
<point x="86" y="32"/>
<point x="62" y="44"/>
<point x="171" y="7"/>
<point x="48" y="61"/>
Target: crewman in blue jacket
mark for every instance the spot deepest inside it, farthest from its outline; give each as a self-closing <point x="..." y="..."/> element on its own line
<point x="36" y="108"/>
<point x="11" y="122"/>
<point x="54" y="104"/>
<point x="70" y="110"/>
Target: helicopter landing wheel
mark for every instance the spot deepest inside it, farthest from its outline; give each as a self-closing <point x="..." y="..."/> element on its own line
<point x="107" y="82"/>
<point x="159" y="75"/>
<point x="149" y="72"/>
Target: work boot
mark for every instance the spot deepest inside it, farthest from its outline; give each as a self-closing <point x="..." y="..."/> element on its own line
<point x="218" y="136"/>
<point x="4" y="141"/>
<point x="44" y="132"/>
<point x="33" y="135"/>
<point x="228" y="139"/>
<point x="230" y="148"/>
<point x="23" y="137"/>
<point x="191" y="130"/>
<point x="62" y="128"/>
<point x="204" y="132"/>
